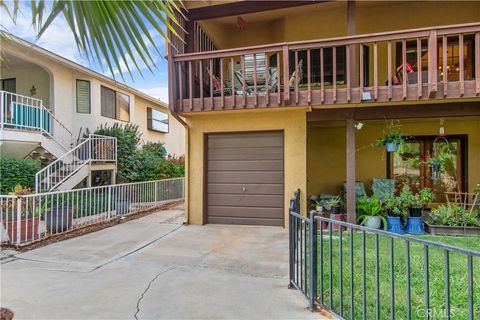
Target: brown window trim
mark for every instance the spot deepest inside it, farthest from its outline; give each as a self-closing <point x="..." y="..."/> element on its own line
<point x="115" y="118"/>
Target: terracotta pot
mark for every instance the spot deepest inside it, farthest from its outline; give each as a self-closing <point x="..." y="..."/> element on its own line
<point x="322" y="224"/>
<point x="337" y="217"/>
<point x="28" y="229"/>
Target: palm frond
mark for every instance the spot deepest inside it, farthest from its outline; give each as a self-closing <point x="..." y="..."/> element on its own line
<point x="118" y="34"/>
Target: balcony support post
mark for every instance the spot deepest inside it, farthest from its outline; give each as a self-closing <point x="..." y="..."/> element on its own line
<point x="350" y="154"/>
<point x="286" y="74"/>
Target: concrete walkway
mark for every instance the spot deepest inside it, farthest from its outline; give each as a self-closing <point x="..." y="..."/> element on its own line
<point x="155" y="268"/>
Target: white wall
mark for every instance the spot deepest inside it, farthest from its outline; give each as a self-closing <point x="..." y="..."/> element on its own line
<point x="62" y="85"/>
<point x="26" y="77"/>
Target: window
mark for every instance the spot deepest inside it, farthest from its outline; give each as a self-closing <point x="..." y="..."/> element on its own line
<point x="157" y="120"/>
<point x="409" y="165"/>
<point x="453" y="57"/>
<point x="9" y="85"/>
<point x="115" y="105"/>
<point x="315" y="65"/>
<point x="83" y="96"/>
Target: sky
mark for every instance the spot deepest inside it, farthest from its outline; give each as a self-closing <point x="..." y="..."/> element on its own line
<point x="59" y="39"/>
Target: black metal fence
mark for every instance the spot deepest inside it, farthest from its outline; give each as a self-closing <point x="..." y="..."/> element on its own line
<point x="362" y="273"/>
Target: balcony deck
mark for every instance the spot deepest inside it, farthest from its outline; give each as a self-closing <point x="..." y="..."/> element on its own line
<point x="204" y="81"/>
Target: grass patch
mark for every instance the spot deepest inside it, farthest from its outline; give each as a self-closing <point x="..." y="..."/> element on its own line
<point x="458" y="277"/>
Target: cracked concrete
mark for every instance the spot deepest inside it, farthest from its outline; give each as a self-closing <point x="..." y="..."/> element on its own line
<point x="155" y="268"/>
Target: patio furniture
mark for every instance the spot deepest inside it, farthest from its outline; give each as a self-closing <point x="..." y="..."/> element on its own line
<point x="382" y="188"/>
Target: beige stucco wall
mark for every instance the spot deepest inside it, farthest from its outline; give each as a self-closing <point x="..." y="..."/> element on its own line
<point x="292" y="122"/>
<point x="26" y="78"/>
<point x="327" y="142"/>
<point x="61" y="80"/>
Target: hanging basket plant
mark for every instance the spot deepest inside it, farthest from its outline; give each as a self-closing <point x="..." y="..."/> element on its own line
<point x="392" y="138"/>
<point x="437" y="166"/>
<point x="391" y="141"/>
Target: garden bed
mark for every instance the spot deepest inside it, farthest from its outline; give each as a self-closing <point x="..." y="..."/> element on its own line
<point x="452" y="230"/>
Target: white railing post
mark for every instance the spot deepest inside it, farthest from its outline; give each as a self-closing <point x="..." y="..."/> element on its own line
<point x="109" y="202"/>
<point x="2" y="105"/>
<point x="19" y="219"/>
<point x="156" y="191"/>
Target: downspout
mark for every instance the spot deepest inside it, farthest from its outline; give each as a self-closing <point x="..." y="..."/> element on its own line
<point x="171" y="105"/>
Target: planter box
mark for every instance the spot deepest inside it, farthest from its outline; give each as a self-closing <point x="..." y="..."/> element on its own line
<point x="28" y="229"/>
<point x="452" y="231"/>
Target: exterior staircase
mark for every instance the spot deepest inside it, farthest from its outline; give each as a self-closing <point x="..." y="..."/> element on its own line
<point x="28" y="129"/>
<point x="95" y="153"/>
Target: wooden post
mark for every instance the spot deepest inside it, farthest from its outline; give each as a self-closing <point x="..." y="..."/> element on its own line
<point x="432" y="64"/>
<point x="350" y="153"/>
<point x="351" y="31"/>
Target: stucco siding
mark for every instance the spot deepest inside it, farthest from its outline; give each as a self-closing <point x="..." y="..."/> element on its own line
<point x="293" y="124"/>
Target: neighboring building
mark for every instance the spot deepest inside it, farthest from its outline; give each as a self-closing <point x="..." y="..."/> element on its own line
<point x="273" y="92"/>
<point x="78" y="97"/>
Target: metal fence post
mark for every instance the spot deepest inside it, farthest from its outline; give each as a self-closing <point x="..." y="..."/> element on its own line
<point x="290" y="244"/>
<point x="19" y="219"/>
<point x="156" y="191"/>
<point x="313" y="259"/>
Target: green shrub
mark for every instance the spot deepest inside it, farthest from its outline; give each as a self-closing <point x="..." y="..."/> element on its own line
<point x="17" y="171"/>
<point x="156" y="148"/>
<point x="128" y="138"/>
<point x="166" y="170"/>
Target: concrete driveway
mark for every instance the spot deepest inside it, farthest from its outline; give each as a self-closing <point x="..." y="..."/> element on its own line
<point x="154" y="268"/>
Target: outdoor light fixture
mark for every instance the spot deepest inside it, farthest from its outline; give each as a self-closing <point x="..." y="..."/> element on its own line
<point x="358" y="125"/>
<point x="441" y="130"/>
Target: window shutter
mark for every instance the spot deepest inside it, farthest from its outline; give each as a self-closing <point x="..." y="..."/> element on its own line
<point x="83" y="96"/>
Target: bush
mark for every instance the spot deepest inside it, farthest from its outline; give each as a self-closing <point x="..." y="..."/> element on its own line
<point x="167" y="170"/>
<point x="146" y="163"/>
<point x="17" y="171"/>
<point x="128" y="138"/>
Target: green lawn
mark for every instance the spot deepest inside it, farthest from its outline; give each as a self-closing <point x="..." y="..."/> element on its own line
<point x="458" y="277"/>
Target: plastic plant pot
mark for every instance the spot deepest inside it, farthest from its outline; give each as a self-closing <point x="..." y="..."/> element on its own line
<point x="415" y="226"/>
<point x="372" y="222"/>
<point x="416" y="212"/>
<point x="391" y="147"/>
<point x="394" y="225"/>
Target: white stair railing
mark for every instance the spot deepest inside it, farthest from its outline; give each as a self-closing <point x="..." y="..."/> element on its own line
<point x="95" y="148"/>
<point x="29" y="114"/>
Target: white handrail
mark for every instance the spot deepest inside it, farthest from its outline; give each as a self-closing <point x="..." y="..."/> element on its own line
<point x="94" y="148"/>
<point x="27" y="113"/>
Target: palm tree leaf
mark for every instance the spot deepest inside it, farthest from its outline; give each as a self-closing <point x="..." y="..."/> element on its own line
<point x="115" y="33"/>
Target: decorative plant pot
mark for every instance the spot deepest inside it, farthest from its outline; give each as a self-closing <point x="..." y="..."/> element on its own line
<point x="28" y="229"/>
<point x="391" y="147"/>
<point x="335" y="210"/>
<point x="415" y="226"/>
<point x="372" y="222"/>
<point x="337" y="217"/>
<point x="452" y="230"/>
<point x="122" y="206"/>
<point x="59" y="221"/>
<point x="319" y="209"/>
<point x="394" y="225"/>
<point x="416" y="212"/>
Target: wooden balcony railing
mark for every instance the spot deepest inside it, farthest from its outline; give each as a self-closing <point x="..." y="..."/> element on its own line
<point x="410" y="65"/>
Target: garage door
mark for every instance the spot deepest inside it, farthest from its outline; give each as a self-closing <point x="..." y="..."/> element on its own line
<point x="245" y="178"/>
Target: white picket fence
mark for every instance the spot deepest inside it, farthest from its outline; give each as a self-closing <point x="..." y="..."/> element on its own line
<point x="30" y="218"/>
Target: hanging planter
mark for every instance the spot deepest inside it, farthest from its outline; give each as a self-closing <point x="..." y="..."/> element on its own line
<point x="391" y="147"/>
<point x="392" y="139"/>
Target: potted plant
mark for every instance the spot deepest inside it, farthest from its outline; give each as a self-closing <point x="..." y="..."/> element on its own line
<point x="29" y="219"/>
<point x="392" y="139"/>
<point x="57" y="218"/>
<point x="369" y="212"/>
<point x="319" y="205"/>
<point x="426" y="197"/>
<point x="395" y="212"/>
<point x="332" y="205"/>
<point x="436" y="166"/>
<point x="453" y="220"/>
<point x="415" y="204"/>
